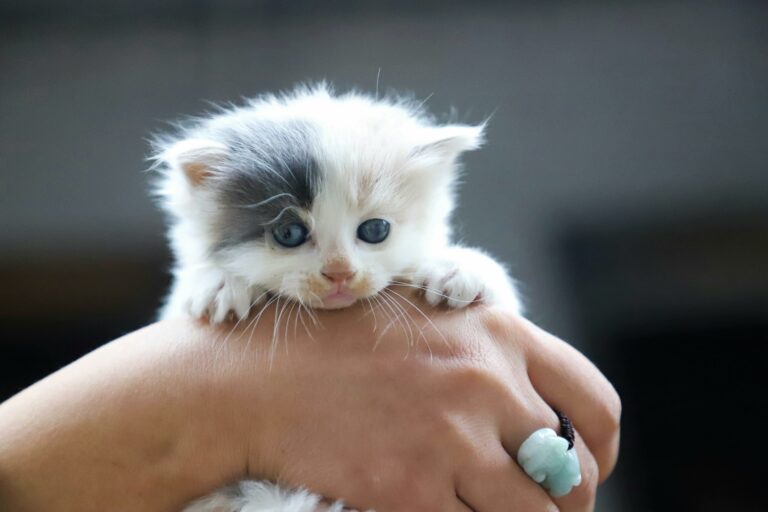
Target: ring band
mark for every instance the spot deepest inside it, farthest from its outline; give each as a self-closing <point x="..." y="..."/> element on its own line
<point x="550" y="460"/>
<point x="566" y="428"/>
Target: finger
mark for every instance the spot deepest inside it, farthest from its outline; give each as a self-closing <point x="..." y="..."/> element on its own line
<point x="569" y="382"/>
<point x="536" y="414"/>
<point x="498" y="484"/>
<point x="524" y="415"/>
<point x="582" y="497"/>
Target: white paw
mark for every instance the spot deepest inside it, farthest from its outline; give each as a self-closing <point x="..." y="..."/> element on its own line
<point x="463" y="276"/>
<point x="219" y="297"/>
<point x="448" y="283"/>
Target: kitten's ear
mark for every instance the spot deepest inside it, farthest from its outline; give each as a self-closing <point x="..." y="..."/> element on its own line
<point x="196" y="158"/>
<point x="446" y="143"/>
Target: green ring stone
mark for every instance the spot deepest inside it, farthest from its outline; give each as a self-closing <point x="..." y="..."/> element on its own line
<point x="545" y="457"/>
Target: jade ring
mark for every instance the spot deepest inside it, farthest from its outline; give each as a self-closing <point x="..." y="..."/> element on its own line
<point x="550" y="460"/>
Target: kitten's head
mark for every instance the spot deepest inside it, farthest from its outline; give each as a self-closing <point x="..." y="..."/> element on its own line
<point x="320" y="198"/>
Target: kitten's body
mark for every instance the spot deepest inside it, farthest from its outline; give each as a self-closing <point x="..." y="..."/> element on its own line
<point x="333" y="173"/>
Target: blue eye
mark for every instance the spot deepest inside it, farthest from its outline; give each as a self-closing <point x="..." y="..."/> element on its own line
<point x="290" y="235"/>
<point x="373" y="231"/>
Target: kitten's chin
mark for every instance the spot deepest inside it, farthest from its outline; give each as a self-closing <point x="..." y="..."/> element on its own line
<point x="337" y="300"/>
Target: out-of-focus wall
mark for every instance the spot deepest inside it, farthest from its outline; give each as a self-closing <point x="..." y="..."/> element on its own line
<point x="605" y="114"/>
<point x="600" y="110"/>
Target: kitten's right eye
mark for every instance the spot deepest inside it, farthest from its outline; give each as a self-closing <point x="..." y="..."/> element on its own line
<point x="290" y="235"/>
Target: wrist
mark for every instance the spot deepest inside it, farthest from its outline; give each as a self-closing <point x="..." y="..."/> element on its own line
<point x="209" y="433"/>
<point x="126" y="427"/>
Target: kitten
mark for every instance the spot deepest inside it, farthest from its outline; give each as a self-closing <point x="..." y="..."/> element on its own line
<point x="321" y="199"/>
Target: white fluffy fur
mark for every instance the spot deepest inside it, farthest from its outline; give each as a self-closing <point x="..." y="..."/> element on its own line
<point x="249" y="496"/>
<point x="378" y="158"/>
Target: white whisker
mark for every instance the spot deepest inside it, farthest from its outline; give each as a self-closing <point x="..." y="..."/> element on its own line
<point x="437" y="292"/>
<point x="413" y="340"/>
<point x="424" y="315"/>
<point x="407" y="320"/>
<point x="255" y="322"/>
<point x="387" y="326"/>
<point x="288" y="325"/>
<point x="403" y="326"/>
<point x="239" y="320"/>
<point x="276" y="331"/>
<point x="303" y="307"/>
<point x="373" y="313"/>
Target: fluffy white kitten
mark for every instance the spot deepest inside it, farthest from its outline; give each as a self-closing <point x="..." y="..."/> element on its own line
<point x="321" y="199"/>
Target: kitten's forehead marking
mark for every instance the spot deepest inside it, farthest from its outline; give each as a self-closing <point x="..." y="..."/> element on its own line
<point x="272" y="176"/>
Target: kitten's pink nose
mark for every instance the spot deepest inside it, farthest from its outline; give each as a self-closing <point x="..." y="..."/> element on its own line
<point x="338" y="277"/>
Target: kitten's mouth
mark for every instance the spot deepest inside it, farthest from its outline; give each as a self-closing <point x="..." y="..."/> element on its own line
<point x="339" y="298"/>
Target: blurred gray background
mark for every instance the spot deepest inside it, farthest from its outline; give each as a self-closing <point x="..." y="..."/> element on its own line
<point x="625" y="180"/>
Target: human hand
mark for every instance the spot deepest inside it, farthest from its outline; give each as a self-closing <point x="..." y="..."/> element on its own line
<point x="173" y="411"/>
<point x="434" y="425"/>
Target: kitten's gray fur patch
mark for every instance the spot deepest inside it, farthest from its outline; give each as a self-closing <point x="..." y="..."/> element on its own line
<point x="271" y="174"/>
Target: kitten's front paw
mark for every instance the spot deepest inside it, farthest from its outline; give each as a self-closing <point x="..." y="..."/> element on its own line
<point x="217" y="296"/>
<point x="447" y="282"/>
<point x="463" y="276"/>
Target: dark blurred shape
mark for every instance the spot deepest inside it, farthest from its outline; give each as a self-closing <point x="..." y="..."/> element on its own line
<point x="677" y="318"/>
<point x="57" y="308"/>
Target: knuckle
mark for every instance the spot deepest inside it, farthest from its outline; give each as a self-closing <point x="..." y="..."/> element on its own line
<point x="613" y="409"/>
<point x="503" y="326"/>
<point x="495" y="319"/>
<point x="474" y="378"/>
<point x="607" y="407"/>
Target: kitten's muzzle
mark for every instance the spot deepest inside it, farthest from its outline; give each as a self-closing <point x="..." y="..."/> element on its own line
<point x="340" y="295"/>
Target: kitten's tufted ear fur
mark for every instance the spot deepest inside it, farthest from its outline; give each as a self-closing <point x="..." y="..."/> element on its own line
<point x="196" y="158"/>
<point x="446" y="143"/>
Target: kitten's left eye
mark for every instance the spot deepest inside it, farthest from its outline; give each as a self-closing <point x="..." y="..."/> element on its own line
<point x="373" y="231"/>
<point x="290" y="235"/>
